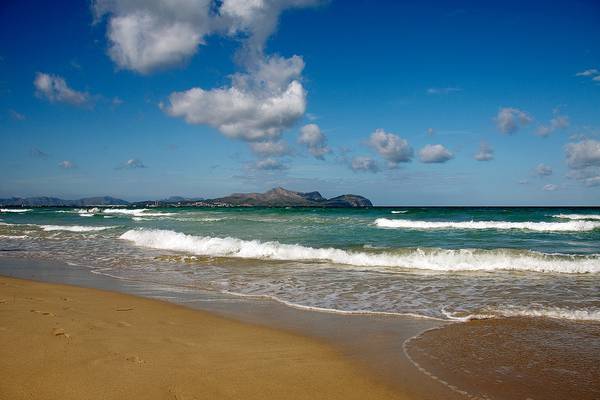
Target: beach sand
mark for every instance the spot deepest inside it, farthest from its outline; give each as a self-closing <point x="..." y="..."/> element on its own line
<point x="66" y="342"/>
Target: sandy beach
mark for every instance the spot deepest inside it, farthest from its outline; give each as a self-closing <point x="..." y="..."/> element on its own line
<point x="66" y="342"/>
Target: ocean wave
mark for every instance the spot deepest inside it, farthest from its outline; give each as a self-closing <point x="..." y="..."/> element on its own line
<point x="74" y="228"/>
<point x="14" y="210"/>
<point x="571" y="226"/>
<point x="399" y="211"/>
<point x="578" y="216"/>
<point x="426" y="259"/>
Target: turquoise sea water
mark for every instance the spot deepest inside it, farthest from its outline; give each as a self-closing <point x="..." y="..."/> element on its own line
<point x="447" y="263"/>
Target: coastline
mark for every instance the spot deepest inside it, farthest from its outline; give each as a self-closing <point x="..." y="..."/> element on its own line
<point x="372" y="345"/>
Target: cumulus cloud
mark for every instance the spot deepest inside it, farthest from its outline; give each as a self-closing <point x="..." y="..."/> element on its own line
<point x="258" y="106"/>
<point x="66" y="164"/>
<point x="443" y="90"/>
<point x="391" y="147"/>
<point x="316" y="142"/>
<point x="55" y="89"/>
<point x="145" y="36"/>
<point x="270" y="164"/>
<point x="485" y="153"/>
<point x="150" y="35"/>
<point x="364" y="164"/>
<point x="543" y="170"/>
<point x="509" y="120"/>
<point x="435" y="153"/>
<point x="583" y="160"/>
<point x="556" y="123"/>
<point x="270" y="149"/>
<point x="132" y="163"/>
<point x="550" y="187"/>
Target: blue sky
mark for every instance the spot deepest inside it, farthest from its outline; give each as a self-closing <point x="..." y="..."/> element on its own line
<point x="428" y="103"/>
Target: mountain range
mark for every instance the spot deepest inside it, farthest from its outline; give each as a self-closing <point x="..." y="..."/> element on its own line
<point x="277" y="197"/>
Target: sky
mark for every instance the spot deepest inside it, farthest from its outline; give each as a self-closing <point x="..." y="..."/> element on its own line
<point x="427" y="103"/>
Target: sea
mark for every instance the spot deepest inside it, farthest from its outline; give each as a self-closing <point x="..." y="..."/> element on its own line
<point x="455" y="263"/>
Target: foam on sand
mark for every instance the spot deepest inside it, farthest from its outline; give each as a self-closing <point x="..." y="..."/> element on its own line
<point x="428" y="259"/>
<point x="571" y="226"/>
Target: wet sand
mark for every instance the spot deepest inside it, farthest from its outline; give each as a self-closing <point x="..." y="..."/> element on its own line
<point x="514" y="358"/>
<point x="66" y="342"/>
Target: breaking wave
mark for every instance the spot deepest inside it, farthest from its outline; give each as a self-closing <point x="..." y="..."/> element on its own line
<point x="571" y="226"/>
<point x="427" y="259"/>
<point x="578" y="216"/>
<point x="14" y="210"/>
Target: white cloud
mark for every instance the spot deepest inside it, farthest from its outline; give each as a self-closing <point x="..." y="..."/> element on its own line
<point x="270" y="148"/>
<point x="255" y="20"/>
<point x="596" y="78"/>
<point x="508" y="120"/>
<point x="583" y="154"/>
<point x="583" y="159"/>
<point x="66" y="164"/>
<point x="132" y="163"/>
<point x="256" y="107"/>
<point x="270" y="164"/>
<point x="364" y="164"/>
<point x="485" y="153"/>
<point x="55" y="89"/>
<point x="550" y="187"/>
<point x="588" y="72"/>
<point x="543" y="170"/>
<point x="391" y="147"/>
<point x="557" y="122"/>
<point x="150" y="35"/>
<point x="435" y="153"/>
<point x="315" y="141"/>
<point x="443" y="90"/>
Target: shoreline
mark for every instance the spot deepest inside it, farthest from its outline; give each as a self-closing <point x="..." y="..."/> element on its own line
<point x="374" y="344"/>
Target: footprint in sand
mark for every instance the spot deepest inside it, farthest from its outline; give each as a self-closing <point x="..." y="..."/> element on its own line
<point x="60" y="332"/>
<point x="135" y="359"/>
<point x="48" y="313"/>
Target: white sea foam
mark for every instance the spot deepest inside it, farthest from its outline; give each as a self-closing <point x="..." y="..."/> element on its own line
<point x="74" y="228"/>
<point x="545" y="312"/>
<point x="571" y="226"/>
<point x="578" y="216"/>
<point x="125" y="211"/>
<point x="552" y="312"/>
<point x="14" y="210"/>
<point x="398" y="211"/>
<point x="428" y="259"/>
<point x="137" y="212"/>
<point x="14" y="236"/>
